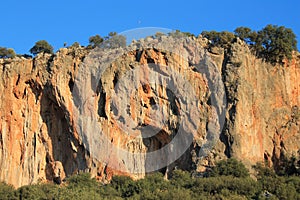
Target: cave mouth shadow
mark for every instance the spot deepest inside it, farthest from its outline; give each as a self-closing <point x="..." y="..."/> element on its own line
<point x="157" y="142"/>
<point x="156" y="138"/>
<point x="60" y="135"/>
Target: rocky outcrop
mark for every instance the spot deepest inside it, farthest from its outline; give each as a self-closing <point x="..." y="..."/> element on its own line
<point x="263" y="107"/>
<point x="44" y="131"/>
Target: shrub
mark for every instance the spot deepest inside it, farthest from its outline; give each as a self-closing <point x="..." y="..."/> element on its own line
<point x="75" y="45"/>
<point x="221" y="39"/>
<point x="82" y="180"/>
<point x="30" y="192"/>
<point x="95" y="41"/>
<point x="7" y="52"/>
<point x="262" y="171"/>
<point x="124" y="185"/>
<point x="41" y="46"/>
<point x="229" y="167"/>
<point x="7" y="191"/>
<point x="114" y="41"/>
<point x="181" y="179"/>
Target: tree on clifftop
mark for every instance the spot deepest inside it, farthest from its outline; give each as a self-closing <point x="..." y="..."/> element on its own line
<point x="246" y="34"/>
<point x="95" y="41"/>
<point x="221" y="39"/>
<point x="278" y="42"/>
<point x="7" y="52"/>
<point x="41" y="46"/>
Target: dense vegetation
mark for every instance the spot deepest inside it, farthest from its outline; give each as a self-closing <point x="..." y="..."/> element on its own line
<point x="272" y="43"/>
<point x="227" y="180"/>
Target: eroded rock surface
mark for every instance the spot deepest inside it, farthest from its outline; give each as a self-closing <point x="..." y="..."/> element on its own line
<point x="41" y="139"/>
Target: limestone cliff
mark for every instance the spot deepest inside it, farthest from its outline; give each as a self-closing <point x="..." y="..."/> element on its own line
<point x="40" y="138"/>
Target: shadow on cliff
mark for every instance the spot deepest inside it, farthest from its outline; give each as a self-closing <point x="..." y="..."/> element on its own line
<point x="169" y="155"/>
<point x="164" y="161"/>
<point x="59" y="140"/>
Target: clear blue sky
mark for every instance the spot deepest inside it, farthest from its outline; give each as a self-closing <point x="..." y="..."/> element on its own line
<point x="25" y="22"/>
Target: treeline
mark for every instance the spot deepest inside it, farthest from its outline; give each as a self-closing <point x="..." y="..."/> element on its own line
<point x="273" y="43"/>
<point x="229" y="179"/>
<point x="113" y="40"/>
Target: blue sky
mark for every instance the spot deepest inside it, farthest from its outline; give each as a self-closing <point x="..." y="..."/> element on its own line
<point x="25" y="22"/>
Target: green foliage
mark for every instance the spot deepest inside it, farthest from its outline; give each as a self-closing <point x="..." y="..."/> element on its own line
<point x="220" y="39"/>
<point x="181" y="179"/>
<point x="219" y="185"/>
<point x="112" y="34"/>
<point x="38" y="191"/>
<point x="262" y="171"/>
<point x="224" y="185"/>
<point x="113" y="40"/>
<point x="75" y="45"/>
<point x="7" y="52"/>
<point x="289" y="166"/>
<point x="82" y="179"/>
<point x="278" y="43"/>
<point x="179" y="34"/>
<point x="246" y="34"/>
<point x="295" y="182"/>
<point x="229" y="167"/>
<point x="125" y="186"/>
<point x="153" y="186"/>
<point x="80" y="186"/>
<point x="95" y="41"/>
<point x="272" y="43"/>
<point x="41" y="46"/>
<point x="242" y="32"/>
<point x="281" y="187"/>
<point x="7" y="192"/>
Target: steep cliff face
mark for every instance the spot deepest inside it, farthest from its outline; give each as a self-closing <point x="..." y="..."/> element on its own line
<point x="35" y="130"/>
<point x="41" y="139"/>
<point x="263" y="107"/>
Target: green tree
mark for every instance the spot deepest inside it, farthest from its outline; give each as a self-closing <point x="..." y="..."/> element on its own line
<point x="242" y="32"/>
<point x="113" y="40"/>
<point x="81" y="186"/>
<point x="230" y="167"/>
<point x="7" y="52"/>
<point x="7" y="192"/>
<point x="179" y="34"/>
<point x="221" y="39"/>
<point x="41" y="46"/>
<point x="278" y="43"/>
<point x="75" y="45"/>
<point x="246" y="34"/>
<point x="112" y="34"/>
<point x="125" y="186"/>
<point x="31" y="192"/>
<point x="181" y="179"/>
<point x="263" y="171"/>
<point x="95" y="41"/>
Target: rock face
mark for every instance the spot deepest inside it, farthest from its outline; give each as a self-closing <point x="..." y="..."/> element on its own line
<point x="41" y="138"/>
